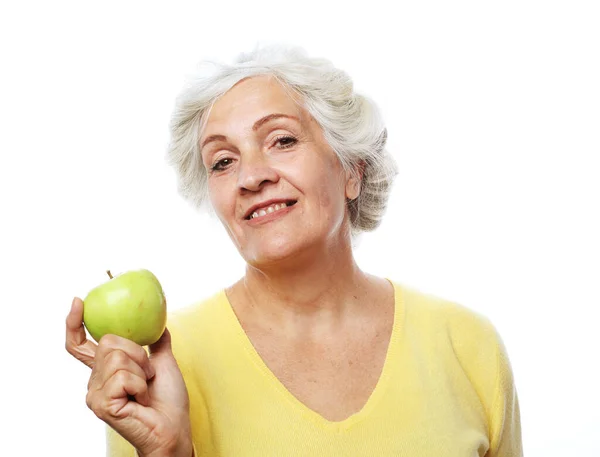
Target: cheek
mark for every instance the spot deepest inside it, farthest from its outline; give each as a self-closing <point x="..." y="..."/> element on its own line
<point x="221" y="201"/>
<point x="332" y="191"/>
<point x="322" y="180"/>
<point x="325" y="193"/>
<point x="329" y="199"/>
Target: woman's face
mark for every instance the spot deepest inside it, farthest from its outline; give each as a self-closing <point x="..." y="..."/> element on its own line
<point x="263" y="151"/>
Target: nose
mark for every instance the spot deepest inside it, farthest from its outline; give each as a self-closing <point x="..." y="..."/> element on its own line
<point x="255" y="172"/>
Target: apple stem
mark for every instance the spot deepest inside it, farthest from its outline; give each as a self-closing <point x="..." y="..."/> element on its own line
<point x="109" y="275"/>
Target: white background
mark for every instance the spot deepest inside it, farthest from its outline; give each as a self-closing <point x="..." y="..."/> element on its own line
<point x="493" y="112"/>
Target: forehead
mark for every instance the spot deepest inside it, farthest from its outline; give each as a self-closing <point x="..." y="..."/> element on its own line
<point x="250" y="100"/>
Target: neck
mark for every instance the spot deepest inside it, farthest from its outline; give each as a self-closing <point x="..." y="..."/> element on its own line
<point x="315" y="292"/>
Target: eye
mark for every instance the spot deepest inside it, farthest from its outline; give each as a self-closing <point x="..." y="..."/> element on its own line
<point x="285" y="141"/>
<point x="221" y="164"/>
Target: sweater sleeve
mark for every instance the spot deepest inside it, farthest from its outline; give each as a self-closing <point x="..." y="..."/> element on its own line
<point x="505" y="421"/>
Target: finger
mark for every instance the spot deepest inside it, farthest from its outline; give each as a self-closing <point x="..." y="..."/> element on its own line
<point x="122" y="385"/>
<point x="113" y="401"/>
<point x="76" y="342"/>
<point x="163" y="345"/>
<point x="115" y="361"/>
<point x="135" y="352"/>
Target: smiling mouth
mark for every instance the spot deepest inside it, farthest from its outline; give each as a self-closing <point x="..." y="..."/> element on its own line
<point x="270" y="209"/>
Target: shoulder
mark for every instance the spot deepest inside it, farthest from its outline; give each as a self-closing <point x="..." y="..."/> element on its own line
<point x="197" y="313"/>
<point x="464" y="339"/>
<point x="463" y="325"/>
<point x="196" y="326"/>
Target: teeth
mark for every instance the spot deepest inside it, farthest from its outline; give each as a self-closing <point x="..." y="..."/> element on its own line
<point x="269" y="210"/>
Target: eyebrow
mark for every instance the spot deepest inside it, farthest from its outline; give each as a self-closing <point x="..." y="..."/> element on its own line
<point x="258" y="124"/>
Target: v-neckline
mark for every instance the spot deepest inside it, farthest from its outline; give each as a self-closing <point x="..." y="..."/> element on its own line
<point x="305" y="411"/>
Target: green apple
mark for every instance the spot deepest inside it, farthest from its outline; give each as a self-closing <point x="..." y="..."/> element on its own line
<point x="131" y="305"/>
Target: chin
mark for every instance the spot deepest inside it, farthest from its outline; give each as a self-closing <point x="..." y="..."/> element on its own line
<point x="275" y="251"/>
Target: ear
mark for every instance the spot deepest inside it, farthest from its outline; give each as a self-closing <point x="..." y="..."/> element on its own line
<point x="354" y="181"/>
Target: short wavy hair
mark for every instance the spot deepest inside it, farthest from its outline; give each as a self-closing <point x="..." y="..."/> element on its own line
<point x="351" y="123"/>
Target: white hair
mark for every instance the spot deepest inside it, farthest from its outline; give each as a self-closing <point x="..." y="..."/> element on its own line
<point x="351" y="123"/>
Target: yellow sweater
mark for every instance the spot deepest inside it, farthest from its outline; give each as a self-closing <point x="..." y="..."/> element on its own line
<point x="446" y="390"/>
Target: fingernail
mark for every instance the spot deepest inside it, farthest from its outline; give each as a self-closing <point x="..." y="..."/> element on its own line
<point x="150" y="372"/>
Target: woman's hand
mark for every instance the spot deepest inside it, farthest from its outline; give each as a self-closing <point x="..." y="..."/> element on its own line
<point x="143" y="398"/>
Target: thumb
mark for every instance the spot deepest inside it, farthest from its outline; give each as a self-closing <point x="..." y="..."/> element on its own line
<point x="163" y="345"/>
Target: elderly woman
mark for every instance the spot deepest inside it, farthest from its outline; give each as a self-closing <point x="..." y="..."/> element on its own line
<point x="305" y="355"/>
